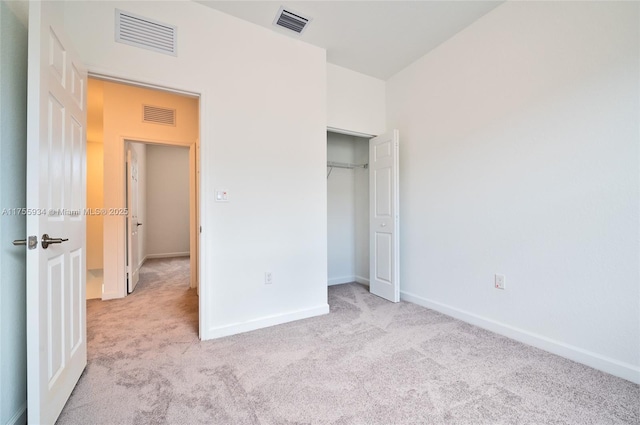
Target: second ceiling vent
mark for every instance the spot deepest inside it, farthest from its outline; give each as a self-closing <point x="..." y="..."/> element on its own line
<point x="293" y="21"/>
<point x="158" y="115"/>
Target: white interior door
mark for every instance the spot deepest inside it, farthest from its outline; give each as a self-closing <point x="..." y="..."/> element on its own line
<point x="384" y="276"/>
<point x="56" y="195"/>
<point x="133" y="262"/>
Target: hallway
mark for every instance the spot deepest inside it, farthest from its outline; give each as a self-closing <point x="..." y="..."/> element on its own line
<point x="154" y="324"/>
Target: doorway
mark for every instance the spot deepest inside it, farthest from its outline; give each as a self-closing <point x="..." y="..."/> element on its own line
<point x="150" y="120"/>
<point x="363" y="211"/>
<point x="158" y="207"/>
<point x="347" y="209"/>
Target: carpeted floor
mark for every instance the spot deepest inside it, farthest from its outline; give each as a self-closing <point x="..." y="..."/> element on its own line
<point x="368" y="362"/>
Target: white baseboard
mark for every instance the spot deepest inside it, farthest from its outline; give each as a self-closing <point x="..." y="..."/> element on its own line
<point x="20" y="417"/>
<point x="112" y="295"/>
<point x="606" y="364"/>
<point x="362" y="280"/>
<point x="167" y="255"/>
<point x="264" y="322"/>
<point x="341" y="280"/>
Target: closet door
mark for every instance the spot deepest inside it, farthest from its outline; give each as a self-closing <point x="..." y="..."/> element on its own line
<point x="383" y="213"/>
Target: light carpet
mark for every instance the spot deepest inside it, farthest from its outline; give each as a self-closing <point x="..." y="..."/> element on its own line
<point x="367" y="362"/>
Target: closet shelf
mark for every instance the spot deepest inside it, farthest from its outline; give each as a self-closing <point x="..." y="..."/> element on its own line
<point x="332" y="164"/>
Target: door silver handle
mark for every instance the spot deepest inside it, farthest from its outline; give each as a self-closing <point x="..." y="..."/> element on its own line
<point x="32" y="242"/>
<point x="383" y="224"/>
<point x="46" y="241"/>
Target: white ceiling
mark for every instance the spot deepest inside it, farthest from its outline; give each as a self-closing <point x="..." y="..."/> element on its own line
<point x="377" y="38"/>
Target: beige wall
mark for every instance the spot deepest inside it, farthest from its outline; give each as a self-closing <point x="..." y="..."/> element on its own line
<point x="95" y="173"/>
<point x="123" y="115"/>
<point x="123" y="121"/>
<point x="115" y="111"/>
<point x="95" y="199"/>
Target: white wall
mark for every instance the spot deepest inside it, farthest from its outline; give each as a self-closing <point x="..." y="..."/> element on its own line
<point x="13" y="136"/>
<point x="348" y="210"/>
<point x="361" y="210"/>
<point x="260" y="140"/>
<point x="167" y="201"/>
<point x="519" y="155"/>
<point x="340" y="211"/>
<point x="355" y="102"/>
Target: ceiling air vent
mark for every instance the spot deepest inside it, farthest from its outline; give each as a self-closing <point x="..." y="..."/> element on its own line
<point x="158" y="115"/>
<point x="290" y="20"/>
<point x="146" y="33"/>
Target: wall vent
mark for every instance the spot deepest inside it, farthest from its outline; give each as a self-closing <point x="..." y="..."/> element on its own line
<point x="146" y="33"/>
<point x="293" y="21"/>
<point x="158" y="115"/>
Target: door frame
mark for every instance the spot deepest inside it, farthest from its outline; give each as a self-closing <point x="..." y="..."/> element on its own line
<point x="369" y="137"/>
<point x="358" y="275"/>
<point x="132" y="272"/>
<point x="193" y="200"/>
<point x="200" y="149"/>
<point x="351" y="133"/>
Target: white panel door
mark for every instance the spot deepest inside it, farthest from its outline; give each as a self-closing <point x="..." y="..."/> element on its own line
<point x="133" y="262"/>
<point x="384" y="276"/>
<point x="56" y="192"/>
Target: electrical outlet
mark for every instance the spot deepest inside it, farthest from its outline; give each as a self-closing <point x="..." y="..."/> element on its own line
<point x="499" y="281"/>
<point x="268" y="278"/>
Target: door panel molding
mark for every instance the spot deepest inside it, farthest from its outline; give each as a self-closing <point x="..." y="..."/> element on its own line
<point x="56" y="195"/>
<point x="384" y="275"/>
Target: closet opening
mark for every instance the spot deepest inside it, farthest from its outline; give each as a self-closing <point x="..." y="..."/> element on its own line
<point x="348" y="209"/>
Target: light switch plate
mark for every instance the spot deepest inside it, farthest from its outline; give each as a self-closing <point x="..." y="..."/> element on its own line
<point x="222" y="195"/>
